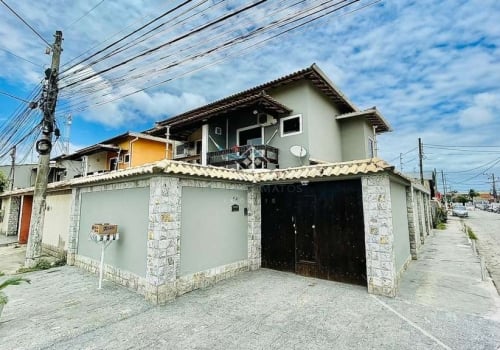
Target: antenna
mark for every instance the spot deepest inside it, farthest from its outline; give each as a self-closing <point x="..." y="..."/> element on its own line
<point x="67" y="123"/>
<point x="298" y="151"/>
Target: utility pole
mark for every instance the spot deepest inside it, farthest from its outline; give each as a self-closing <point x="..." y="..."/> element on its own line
<point x="420" y="158"/>
<point x="43" y="147"/>
<point x="12" y="167"/>
<point x="444" y="189"/>
<point x="494" y="188"/>
<point x="401" y="161"/>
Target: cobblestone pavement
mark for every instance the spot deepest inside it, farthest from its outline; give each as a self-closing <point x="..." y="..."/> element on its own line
<point x="265" y="309"/>
<point x="486" y="226"/>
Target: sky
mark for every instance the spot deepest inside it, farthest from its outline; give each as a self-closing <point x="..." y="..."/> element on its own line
<point x="432" y="68"/>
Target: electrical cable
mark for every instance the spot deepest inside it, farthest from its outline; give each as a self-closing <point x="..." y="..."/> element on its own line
<point x="22" y="58"/>
<point x="85" y="14"/>
<point x="27" y="24"/>
<point x="232" y="55"/>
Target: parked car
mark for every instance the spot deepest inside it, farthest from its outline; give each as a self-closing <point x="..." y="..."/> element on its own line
<point x="460" y="211"/>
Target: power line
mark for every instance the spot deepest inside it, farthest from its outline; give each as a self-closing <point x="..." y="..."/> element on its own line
<point x="459" y="146"/>
<point x="27" y="24"/>
<point x="227" y="44"/>
<point x="85" y="14"/>
<point x="22" y="58"/>
<point x="14" y="97"/>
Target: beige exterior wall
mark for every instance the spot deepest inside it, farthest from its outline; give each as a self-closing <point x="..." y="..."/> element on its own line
<point x="356" y="133"/>
<point x="57" y="219"/>
<point x="97" y="162"/>
<point x="325" y="141"/>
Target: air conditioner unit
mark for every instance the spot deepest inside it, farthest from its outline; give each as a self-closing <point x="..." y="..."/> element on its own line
<point x="181" y="150"/>
<point x="265" y="119"/>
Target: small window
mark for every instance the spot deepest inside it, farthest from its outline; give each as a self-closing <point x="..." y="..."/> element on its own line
<point x="291" y="125"/>
<point x="126" y="158"/>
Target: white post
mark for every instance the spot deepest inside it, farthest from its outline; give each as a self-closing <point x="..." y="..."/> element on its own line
<point x="204" y="144"/>
<point x="101" y="266"/>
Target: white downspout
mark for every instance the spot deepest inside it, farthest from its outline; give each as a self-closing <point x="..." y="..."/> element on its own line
<point x="204" y="144"/>
<point x="130" y="151"/>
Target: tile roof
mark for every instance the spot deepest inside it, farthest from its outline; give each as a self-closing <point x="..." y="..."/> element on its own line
<point x="326" y="170"/>
<point x="374" y="117"/>
<point x="313" y="73"/>
<point x="172" y="167"/>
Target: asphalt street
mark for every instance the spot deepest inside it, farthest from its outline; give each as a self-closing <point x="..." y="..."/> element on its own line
<point x="486" y="226"/>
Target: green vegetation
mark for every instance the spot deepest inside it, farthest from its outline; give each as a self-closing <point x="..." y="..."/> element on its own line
<point x="470" y="233"/>
<point x="441" y="226"/>
<point x="13" y="281"/>
<point x="441" y="218"/>
<point x="472" y="194"/>
<point x="42" y="264"/>
<point x="3" y="182"/>
<point x="461" y="199"/>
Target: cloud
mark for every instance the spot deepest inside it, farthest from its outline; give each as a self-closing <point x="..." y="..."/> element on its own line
<point x="431" y="67"/>
<point x="481" y="112"/>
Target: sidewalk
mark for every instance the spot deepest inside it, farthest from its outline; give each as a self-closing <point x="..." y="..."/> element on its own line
<point x="447" y="276"/>
<point x="443" y="304"/>
<point x="6" y="240"/>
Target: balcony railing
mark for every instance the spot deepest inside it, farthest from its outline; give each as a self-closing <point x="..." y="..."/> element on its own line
<point x="246" y="157"/>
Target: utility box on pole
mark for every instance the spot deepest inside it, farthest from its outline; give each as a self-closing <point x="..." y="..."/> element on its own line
<point x="43" y="147"/>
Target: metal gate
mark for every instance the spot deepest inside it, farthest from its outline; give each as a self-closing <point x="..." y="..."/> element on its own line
<point x="315" y="230"/>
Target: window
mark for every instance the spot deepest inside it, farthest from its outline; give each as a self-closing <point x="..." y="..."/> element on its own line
<point x="291" y="125"/>
<point x="126" y="158"/>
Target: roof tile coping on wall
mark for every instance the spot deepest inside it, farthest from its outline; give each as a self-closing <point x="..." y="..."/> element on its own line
<point x="308" y="172"/>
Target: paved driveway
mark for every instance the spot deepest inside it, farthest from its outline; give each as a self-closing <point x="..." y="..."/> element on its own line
<point x="265" y="309"/>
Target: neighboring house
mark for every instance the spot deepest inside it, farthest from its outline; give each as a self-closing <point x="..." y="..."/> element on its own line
<point x="16" y="206"/>
<point x="307" y="194"/>
<point x="125" y="151"/>
<point x="24" y="175"/>
<point x="296" y="120"/>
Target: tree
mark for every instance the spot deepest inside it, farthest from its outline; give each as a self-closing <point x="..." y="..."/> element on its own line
<point x="3" y="182"/>
<point x="473" y="194"/>
<point x="460" y="199"/>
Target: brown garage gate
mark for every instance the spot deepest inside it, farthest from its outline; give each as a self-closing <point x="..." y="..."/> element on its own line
<point x="315" y="230"/>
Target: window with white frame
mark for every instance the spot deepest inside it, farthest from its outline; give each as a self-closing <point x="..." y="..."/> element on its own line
<point x="291" y="125"/>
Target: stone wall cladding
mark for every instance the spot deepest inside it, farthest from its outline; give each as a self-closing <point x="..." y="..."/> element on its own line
<point x="13" y="216"/>
<point x="209" y="277"/>
<point x="54" y="251"/>
<point x="164" y="232"/>
<point x="412" y="229"/>
<point x="111" y="273"/>
<point x="254" y="228"/>
<point x="379" y="236"/>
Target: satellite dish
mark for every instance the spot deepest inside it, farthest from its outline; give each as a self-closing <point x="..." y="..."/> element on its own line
<point x="298" y="151"/>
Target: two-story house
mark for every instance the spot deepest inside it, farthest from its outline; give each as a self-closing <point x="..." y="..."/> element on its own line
<point x="283" y="176"/>
<point x="296" y="120"/>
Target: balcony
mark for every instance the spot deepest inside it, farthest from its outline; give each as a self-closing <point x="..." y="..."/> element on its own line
<point x="246" y="157"/>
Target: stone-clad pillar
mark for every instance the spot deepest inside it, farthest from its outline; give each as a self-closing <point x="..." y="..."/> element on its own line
<point x="13" y="216"/>
<point x="379" y="235"/>
<point x="412" y="229"/>
<point x="254" y="228"/>
<point x="163" y="250"/>
<point x="74" y="225"/>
